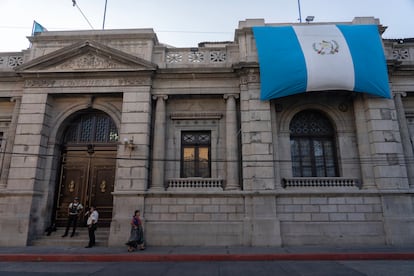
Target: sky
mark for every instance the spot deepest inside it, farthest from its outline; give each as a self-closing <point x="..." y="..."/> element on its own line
<point x="185" y="23"/>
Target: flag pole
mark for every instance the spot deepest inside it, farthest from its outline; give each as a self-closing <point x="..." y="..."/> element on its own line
<point x="300" y="13"/>
<point x="103" y="23"/>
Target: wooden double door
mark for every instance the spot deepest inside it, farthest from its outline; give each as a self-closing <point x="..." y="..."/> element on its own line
<point x="89" y="175"/>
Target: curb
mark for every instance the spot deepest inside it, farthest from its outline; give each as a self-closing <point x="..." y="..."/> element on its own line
<point x="202" y="257"/>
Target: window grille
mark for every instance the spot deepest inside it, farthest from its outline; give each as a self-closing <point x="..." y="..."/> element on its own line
<point x="92" y="128"/>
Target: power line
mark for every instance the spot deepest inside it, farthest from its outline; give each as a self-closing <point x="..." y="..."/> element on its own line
<point x="375" y="160"/>
<point x="75" y="4"/>
<point x="157" y="31"/>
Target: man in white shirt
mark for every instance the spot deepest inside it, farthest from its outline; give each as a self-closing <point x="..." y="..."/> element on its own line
<point x="92" y="223"/>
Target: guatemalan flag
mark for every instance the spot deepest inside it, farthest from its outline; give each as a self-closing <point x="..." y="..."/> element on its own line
<point x="37" y="28"/>
<point x="296" y="59"/>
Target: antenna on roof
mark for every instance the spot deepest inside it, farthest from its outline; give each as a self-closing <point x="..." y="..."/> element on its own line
<point x="75" y="4"/>
<point x="103" y="23"/>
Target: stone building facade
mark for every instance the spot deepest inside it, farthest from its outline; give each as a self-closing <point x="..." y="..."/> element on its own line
<point x="125" y="122"/>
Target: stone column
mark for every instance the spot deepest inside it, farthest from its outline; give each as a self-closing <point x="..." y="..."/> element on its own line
<point x="10" y="142"/>
<point x="232" y="164"/>
<point x="405" y="136"/>
<point x="363" y="143"/>
<point x="158" y="153"/>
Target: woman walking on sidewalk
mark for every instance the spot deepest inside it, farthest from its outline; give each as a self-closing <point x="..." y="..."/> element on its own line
<point x="136" y="237"/>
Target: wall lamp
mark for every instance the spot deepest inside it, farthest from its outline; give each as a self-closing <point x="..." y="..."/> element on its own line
<point x="129" y="143"/>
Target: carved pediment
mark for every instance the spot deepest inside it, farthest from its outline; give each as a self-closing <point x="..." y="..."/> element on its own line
<point x="90" y="61"/>
<point x="86" y="56"/>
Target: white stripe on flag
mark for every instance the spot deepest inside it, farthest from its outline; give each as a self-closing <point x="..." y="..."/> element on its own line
<point x="328" y="59"/>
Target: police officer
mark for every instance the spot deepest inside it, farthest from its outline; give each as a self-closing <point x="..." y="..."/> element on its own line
<point x="73" y="213"/>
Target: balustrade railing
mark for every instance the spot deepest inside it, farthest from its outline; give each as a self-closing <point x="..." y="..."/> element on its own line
<point x="10" y="60"/>
<point x="195" y="183"/>
<point x="320" y="182"/>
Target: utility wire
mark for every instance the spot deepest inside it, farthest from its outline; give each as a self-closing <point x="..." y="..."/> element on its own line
<point x="157" y="31"/>
<point x="75" y="4"/>
<point x="375" y="160"/>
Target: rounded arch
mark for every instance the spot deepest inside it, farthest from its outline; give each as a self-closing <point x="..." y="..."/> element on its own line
<point x="65" y="117"/>
<point x="313" y="145"/>
<point x="87" y="143"/>
<point x="310" y="122"/>
<point x="91" y="127"/>
<point x="335" y="116"/>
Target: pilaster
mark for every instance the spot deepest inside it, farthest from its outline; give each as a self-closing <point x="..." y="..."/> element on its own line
<point x="387" y="157"/>
<point x="405" y="136"/>
<point x="364" y="147"/>
<point x="158" y="160"/>
<point x="232" y="164"/>
<point x="257" y="145"/>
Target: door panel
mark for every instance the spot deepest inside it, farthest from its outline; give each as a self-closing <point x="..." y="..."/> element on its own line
<point x="90" y="176"/>
<point x="73" y="182"/>
<point x="102" y="182"/>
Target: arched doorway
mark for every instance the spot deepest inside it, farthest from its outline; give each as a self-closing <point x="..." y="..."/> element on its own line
<point x="88" y="163"/>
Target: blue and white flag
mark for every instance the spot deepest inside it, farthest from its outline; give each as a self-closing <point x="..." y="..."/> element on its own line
<point x="37" y="28"/>
<point x="296" y="59"/>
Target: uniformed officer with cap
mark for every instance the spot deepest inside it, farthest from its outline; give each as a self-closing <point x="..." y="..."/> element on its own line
<point x="75" y="207"/>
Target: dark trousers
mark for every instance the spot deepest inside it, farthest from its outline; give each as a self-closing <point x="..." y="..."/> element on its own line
<point x="91" y="232"/>
<point x="72" y="220"/>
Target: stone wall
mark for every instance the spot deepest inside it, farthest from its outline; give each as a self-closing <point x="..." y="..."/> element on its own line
<point x="180" y="220"/>
<point x="349" y="219"/>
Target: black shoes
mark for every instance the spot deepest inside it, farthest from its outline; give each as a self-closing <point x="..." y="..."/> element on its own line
<point x="64" y="235"/>
<point x="89" y="246"/>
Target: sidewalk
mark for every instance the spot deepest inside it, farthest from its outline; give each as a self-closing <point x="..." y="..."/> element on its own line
<point x="199" y="254"/>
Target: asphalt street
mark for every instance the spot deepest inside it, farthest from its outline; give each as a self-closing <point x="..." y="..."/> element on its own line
<point x="218" y="268"/>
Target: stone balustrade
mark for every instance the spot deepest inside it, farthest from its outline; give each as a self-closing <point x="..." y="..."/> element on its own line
<point x="10" y="60"/>
<point x="195" y="183"/>
<point x="195" y="56"/>
<point x="299" y="182"/>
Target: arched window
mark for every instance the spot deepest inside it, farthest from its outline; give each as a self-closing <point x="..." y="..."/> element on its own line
<point x="95" y="127"/>
<point x="312" y="141"/>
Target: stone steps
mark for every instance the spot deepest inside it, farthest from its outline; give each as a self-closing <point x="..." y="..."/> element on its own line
<point x="80" y="239"/>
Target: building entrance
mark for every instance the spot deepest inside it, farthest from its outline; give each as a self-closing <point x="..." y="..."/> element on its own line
<point x="88" y="166"/>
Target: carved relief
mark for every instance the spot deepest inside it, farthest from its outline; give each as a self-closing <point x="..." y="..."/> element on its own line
<point x="71" y="186"/>
<point x="39" y="83"/>
<point x="103" y="186"/>
<point x="15" y="61"/>
<point x="90" y="61"/>
<point x="217" y="56"/>
<point x="400" y="54"/>
<point x="88" y="82"/>
<point x="249" y="76"/>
